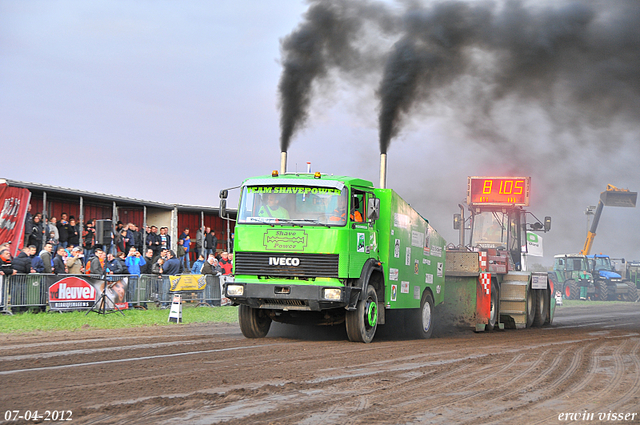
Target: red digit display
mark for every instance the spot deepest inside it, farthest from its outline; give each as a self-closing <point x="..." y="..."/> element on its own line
<point x="498" y="191"/>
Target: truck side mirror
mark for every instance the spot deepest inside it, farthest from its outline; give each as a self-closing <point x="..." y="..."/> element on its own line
<point x="224" y="193"/>
<point x="223" y="208"/>
<point x="547" y="223"/>
<point x="373" y="209"/>
<point x="457" y="219"/>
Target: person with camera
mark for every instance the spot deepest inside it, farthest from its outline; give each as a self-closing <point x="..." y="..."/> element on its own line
<point x="74" y="263"/>
<point x="134" y="261"/>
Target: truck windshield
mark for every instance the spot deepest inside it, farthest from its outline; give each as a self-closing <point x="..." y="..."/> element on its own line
<point x="489" y="228"/>
<point x="297" y="205"/>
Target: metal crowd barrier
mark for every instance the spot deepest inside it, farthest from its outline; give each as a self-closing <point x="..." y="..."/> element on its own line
<point x="22" y="292"/>
<point x="25" y="291"/>
<point x="157" y="289"/>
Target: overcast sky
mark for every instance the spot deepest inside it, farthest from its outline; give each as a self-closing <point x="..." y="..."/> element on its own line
<point x="172" y="101"/>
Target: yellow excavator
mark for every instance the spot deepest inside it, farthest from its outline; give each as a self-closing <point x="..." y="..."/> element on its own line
<point x="612" y="197"/>
<point x="607" y="283"/>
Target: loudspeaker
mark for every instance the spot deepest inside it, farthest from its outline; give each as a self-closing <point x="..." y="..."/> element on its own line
<point x="103" y="232"/>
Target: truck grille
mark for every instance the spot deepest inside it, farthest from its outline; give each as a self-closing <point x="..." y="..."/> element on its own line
<point x="287" y="265"/>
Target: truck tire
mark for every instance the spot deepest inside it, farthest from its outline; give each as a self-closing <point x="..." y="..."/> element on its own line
<point x="421" y="321"/>
<point x="254" y="323"/>
<point x="542" y="307"/>
<point x="602" y="292"/>
<point x="571" y="290"/>
<point x="495" y="304"/>
<point x="632" y="295"/>
<point x="531" y="307"/>
<point x="362" y="322"/>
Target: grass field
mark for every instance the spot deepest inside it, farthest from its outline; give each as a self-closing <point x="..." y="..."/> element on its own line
<point x="27" y="322"/>
<point x="578" y="303"/>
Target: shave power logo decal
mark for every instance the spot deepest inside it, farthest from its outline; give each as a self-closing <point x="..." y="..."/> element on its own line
<point x="287" y="240"/>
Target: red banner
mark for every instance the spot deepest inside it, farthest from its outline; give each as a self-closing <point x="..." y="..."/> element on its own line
<point x="14" y="201"/>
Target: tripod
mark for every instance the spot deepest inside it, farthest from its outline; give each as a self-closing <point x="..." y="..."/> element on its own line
<point x="100" y="306"/>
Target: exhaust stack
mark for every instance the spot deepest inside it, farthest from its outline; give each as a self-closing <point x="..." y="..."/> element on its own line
<point x="383" y="171"/>
<point x="283" y="162"/>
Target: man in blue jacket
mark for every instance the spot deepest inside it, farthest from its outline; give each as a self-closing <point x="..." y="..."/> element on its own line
<point x="172" y="266"/>
<point x="134" y="261"/>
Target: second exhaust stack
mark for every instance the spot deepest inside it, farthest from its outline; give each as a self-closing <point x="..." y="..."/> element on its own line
<point x="283" y="162"/>
<point x="383" y="171"/>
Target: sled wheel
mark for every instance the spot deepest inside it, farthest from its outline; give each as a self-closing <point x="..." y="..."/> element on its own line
<point x="495" y="304"/>
<point x="531" y="307"/>
<point x="542" y="307"/>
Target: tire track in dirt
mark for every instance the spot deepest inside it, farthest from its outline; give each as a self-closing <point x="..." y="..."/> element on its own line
<point x="634" y="388"/>
<point x="596" y="392"/>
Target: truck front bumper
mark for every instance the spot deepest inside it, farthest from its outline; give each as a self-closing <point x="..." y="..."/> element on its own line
<point x="290" y="297"/>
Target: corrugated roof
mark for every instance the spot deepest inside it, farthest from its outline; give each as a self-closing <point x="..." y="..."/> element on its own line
<point x="120" y="200"/>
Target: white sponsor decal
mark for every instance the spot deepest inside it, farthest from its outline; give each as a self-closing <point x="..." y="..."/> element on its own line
<point x="393" y="274"/>
<point x="417" y="239"/>
<point x="401" y="220"/>
<point x="404" y="287"/>
<point x="440" y="268"/>
<point x="428" y="278"/>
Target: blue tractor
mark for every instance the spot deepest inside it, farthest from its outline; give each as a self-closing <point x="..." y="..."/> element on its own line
<point x="606" y="277"/>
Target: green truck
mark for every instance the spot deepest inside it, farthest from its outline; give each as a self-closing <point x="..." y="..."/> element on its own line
<point x="331" y="249"/>
<point x="321" y="249"/>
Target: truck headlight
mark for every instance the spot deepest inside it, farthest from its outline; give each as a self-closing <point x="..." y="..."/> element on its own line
<point x="235" y="290"/>
<point x="332" y="294"/>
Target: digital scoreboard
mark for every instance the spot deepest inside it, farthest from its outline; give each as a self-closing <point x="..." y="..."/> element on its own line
<point x="512" y="191"/>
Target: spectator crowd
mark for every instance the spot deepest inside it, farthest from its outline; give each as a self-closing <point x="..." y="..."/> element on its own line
<point x="65" y="247"/>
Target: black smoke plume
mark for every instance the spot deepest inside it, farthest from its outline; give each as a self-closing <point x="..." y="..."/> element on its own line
<point x="331" y="36"/>
<point x="578" y="60"/>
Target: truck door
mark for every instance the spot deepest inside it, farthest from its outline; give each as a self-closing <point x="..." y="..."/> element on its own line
<point x="363" y="238"/>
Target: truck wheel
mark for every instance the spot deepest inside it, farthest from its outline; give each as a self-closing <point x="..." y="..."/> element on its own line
<point x="542" y="307"/>
<point x="495" y="303"/>
<point x="602" y="290"/>
<point x="254" y="323"/>
<point x="531" y="307"/>
<point x="632" y="295"/>
<point x="571" y="290"/>
<point x="421" y="321"/>
<point x="362" y="322"/>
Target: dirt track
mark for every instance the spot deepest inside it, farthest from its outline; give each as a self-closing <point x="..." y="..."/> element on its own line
<point x="587" y="361"/>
